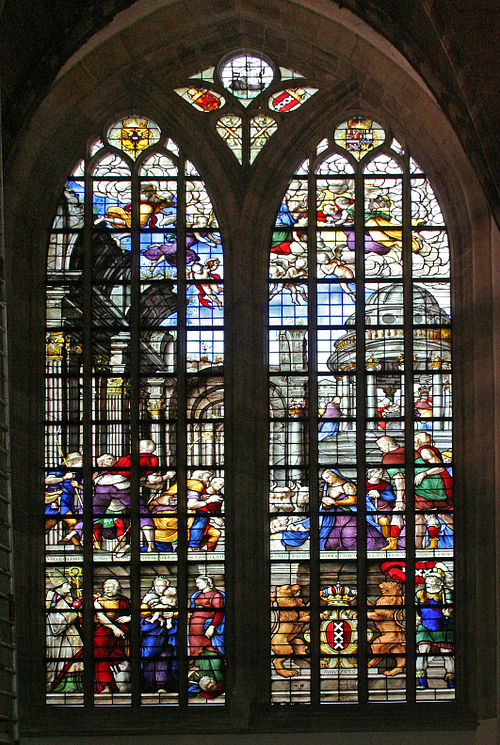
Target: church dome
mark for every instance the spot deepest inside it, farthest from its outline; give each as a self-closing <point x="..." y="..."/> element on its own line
<point x="385" y="307"/>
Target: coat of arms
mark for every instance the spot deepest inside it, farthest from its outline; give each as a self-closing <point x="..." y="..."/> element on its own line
<point x="338" y="632"/>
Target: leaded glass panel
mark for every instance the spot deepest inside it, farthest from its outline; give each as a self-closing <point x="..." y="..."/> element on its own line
<point x="134" y="443"/>
<point x="360" y="393"/>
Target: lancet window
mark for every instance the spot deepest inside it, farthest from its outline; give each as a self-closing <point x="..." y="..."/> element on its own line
<point x="360" y="506"/>
<point x="360" y="453"/>
<point x="134" y="443"/>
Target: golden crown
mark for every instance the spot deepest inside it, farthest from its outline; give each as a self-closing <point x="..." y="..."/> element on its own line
<point x="338" y="594"/>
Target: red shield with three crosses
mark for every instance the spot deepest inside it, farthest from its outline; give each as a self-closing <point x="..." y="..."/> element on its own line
<point x="338" y="634"/>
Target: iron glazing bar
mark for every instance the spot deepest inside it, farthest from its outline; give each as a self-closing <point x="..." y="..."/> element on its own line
<point x="312" y="449"/>
<point x="181" y="436"/>
<point x="359" y="261"/>
<point x="245" y="142"/>
<point x="409" y="434"/>
<point x="88" y="542"/>
<point x="135" y="476"/>
<point x="64" y="399"/>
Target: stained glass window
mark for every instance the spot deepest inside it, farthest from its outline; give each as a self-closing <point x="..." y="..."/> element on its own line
<point x="290" y="98"/>
<point x="241" y="82"/>
<point x="134" y="443"/>
<point x="360" y="393"/>
<point x="229" y="128"/>
<point x="246" y="76"/>
<point x="360" y="454"/>
<point x="261" y="129"/>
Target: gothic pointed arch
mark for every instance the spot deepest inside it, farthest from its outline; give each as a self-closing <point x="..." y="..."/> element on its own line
<point x="248" y="149"/>
<point x="361" y="497"/>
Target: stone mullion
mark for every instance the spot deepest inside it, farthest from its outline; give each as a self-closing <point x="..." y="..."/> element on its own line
<point x="312" y="449"/>
<point x="409" y="402"/>
<point x="361" y="422"/>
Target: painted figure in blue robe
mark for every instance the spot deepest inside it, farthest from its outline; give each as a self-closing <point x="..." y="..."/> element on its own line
<point x="63" y="497"/>
<point x="206" y="506"/>
<point x="283" y="231"/>
<point x="329" y="423"/>
<point x="435" y="624"/>
<point x="337" y="528"/>
<point x="159" y="638"/>
<point x="298" y="533"/>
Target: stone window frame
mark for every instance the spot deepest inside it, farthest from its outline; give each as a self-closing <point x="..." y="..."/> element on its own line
<point x="468" y="226"/>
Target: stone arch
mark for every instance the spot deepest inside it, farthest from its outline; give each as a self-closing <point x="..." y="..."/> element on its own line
<point x="369" y="74"/>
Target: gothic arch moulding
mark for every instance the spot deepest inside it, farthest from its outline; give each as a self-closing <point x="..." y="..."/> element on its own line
<point x="135" y="64"/>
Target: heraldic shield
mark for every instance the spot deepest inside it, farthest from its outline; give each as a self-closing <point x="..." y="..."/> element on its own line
<point x="339" y="627"/>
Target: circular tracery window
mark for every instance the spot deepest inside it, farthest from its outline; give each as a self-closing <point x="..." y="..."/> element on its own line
<point x="246" y="76"/>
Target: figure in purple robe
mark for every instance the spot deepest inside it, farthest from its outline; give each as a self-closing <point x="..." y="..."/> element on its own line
<point x="339" y="511"/>
<point x="329" y="424"/>
<point x="158" y="252"/>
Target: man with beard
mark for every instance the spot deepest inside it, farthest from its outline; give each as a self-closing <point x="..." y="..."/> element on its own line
<point x="112" y="621"/>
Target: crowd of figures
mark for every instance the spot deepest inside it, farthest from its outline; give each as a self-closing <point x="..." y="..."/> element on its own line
<point x="111" y="503"/>
<point x="159" y="637"/>
<point x="385" y="495"/>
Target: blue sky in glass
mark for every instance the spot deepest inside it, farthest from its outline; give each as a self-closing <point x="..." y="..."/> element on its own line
<point x="102" y="203"/>
<point x="78" y="187"/>
<point x="205" y="343"/>
<point x="283" y="312"/>
<point x="335" y="306"/>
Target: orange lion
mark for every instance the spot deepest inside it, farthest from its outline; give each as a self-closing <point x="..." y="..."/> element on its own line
<point x="292" y="615"/>
<point x="388" y="620"/>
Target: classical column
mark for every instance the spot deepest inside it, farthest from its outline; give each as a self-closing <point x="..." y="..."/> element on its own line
<point x="115" y="436"/>
<point x="155" y="406"/>
<point x="295" y="448"/>
<point x="371" y="400"/>
<point x="437" y="400"/>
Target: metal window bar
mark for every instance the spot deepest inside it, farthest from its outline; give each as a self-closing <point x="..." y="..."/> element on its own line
<point x="135" y="485"/>
<point x="181" y="449"/>
<point x="409" y="434"/>
<point x="314" y="497"/>
<point x="361" y="381"/>
<point x="88" y="523"/>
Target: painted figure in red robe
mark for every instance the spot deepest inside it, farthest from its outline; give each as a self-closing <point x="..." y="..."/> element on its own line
<point x="206" y="639"/>
<point x="112" y="620"/>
